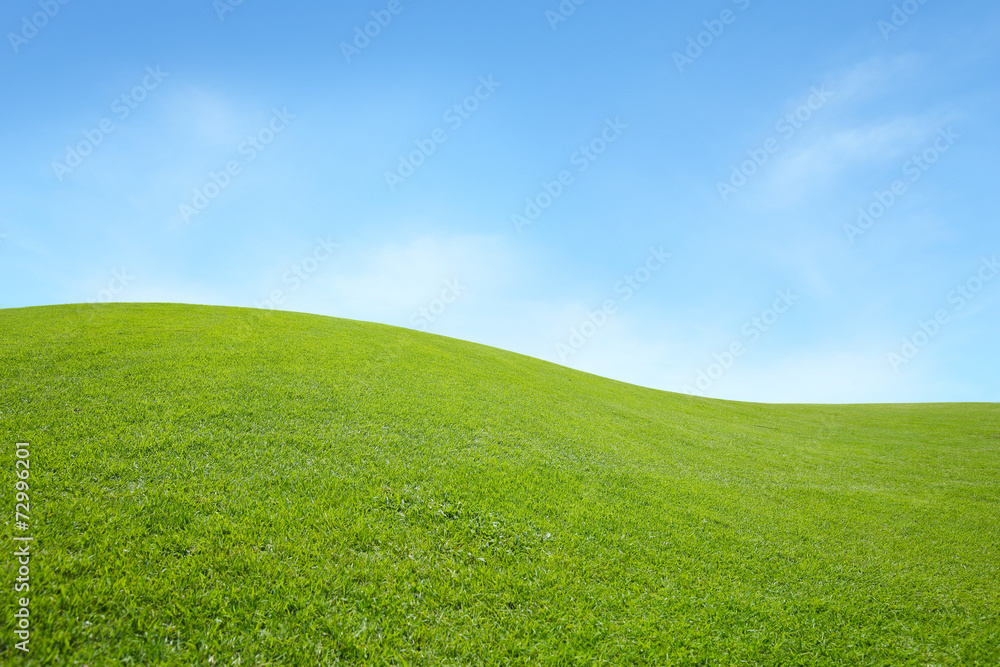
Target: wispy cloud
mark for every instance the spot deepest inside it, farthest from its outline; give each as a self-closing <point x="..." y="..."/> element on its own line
<point x="388" y="282"/>
<point x="853" y="136"/>
<point x="826" y="161"/>
<point x="817" y="376"/>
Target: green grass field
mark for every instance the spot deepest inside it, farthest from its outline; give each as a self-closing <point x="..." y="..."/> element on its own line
<point x="231" y="486"/>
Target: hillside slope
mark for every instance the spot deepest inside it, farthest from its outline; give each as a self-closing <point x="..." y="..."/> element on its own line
<point x="290" y="489"/>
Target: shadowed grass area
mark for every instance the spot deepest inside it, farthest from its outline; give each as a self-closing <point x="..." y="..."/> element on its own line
<point x="290" y="489"/>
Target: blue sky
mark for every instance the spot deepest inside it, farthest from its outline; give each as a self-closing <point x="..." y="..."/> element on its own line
<point x="760" y="201"/>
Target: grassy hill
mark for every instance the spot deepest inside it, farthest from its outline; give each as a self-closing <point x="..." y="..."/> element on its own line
<point x="214" y="484"/>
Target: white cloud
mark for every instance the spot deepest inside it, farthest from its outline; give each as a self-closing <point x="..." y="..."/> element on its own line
<point x="848" y="136"/>
<point x="823" y="162"/>
<point x="389" y="283"/>
<point x="819" y="376"/>
<point x="205" y="116"/>
<point x="873" y="77"/>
